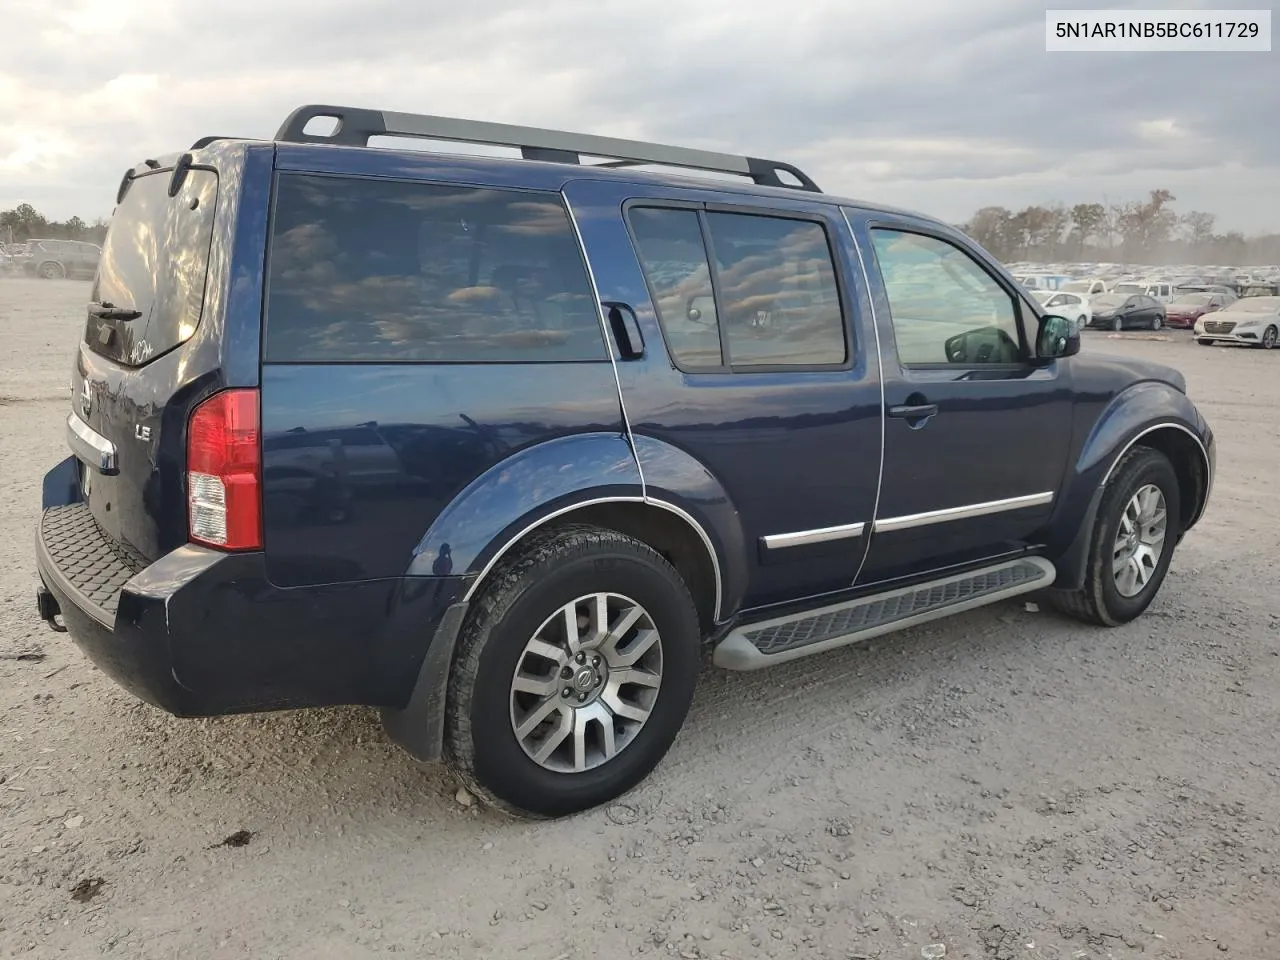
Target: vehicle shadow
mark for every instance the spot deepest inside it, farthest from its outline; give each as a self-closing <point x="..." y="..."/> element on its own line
<point x="315" y="766"/>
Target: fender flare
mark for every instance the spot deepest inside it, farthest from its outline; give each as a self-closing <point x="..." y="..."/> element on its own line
<point x="555" y="479"/>
<point x="1135" y="414"/>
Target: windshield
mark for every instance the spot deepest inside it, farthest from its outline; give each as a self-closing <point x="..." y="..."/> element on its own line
<point x="1077" y="286"/>
<point x="1109" y="300"/>
<point x="1191" y="300"/>
<point x="1256" y="305"/>
<point x="154" y="263"/>
<point x="1129" y="288"/>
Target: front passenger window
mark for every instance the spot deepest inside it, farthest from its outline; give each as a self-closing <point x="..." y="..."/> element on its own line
<point x="946" y="309"/>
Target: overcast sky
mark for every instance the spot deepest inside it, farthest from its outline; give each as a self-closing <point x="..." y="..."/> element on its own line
<point x="937" y="105"/>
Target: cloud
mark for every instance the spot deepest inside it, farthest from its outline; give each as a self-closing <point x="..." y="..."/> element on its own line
<point x="928" y="104"/>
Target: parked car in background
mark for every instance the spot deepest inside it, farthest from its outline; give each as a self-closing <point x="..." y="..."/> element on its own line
<point x="1185" y="309"/>
<point x="1070" y="305"/>
<point x="1260" y="289"/>
<point x="1089" y="286"/>
<point x="1228" y="292"/>
<point x="1042" y="281"/>
<point x="1120" y="311"/>
<point x="55" y="259"/>
<point x="1159" y="290"/>
<point x="1252" y="321"/>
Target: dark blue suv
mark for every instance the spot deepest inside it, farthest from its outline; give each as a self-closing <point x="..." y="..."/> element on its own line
<point x="498" y="445"/>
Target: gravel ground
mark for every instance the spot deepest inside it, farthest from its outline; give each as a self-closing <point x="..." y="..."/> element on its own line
<point x="1004" y="784"/>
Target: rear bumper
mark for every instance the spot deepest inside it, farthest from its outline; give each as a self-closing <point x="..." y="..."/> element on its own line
<point x="115" y="610"/>
<point x="202" y="633"/>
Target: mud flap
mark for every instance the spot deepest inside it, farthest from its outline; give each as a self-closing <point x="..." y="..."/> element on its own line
<point x="418" y="728"/>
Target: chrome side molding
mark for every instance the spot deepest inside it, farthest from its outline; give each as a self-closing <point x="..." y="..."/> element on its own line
<point x="91" y="447"/>
<point x="776" y="541"/>
<point x="889" y="524"/>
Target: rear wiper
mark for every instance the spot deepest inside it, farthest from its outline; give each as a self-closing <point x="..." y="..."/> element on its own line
<point x="109" y="311"/>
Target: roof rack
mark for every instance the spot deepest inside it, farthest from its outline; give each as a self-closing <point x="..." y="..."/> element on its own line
<point x="354" y="127"/>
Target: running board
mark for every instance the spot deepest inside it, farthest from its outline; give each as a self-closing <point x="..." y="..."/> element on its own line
<point x="770" y="642"/>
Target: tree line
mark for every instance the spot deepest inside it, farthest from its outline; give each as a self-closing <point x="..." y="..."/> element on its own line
<point x="25" y="222"/>
<point x="1140" y="231"/>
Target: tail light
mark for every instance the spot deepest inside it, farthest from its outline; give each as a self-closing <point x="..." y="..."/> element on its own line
<point x="224" y="471"/>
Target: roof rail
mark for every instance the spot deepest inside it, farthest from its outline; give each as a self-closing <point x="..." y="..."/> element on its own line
<point x="355" y="126"/>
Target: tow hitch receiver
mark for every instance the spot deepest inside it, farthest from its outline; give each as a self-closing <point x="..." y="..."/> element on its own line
<point x="49" y="609"/>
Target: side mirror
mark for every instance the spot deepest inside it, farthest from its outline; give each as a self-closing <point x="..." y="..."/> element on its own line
<point x="983" y="345"/>
<point x="1057" y="338"/>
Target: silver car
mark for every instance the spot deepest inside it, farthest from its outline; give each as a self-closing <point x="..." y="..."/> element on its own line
<point x="1253" y="321"/>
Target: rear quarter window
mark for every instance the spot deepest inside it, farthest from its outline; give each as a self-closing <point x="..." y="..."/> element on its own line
<point x="388" y="271"/>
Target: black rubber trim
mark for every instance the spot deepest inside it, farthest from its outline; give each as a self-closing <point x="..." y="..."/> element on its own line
<point x="62" y="583"/>
<point x="419" y="727"/>
<point x="355" y="125"/>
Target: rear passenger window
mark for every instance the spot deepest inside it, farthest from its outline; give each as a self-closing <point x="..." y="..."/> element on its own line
<point x="384" y="271"/>
<point x="772" y="299"/>
<point x="675" y="262"/>
<point x="777" y="285"/>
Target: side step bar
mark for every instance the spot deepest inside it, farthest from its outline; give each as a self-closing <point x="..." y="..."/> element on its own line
<point x="771" y="642"/>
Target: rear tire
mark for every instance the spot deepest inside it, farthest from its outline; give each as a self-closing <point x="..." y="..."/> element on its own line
<point x="1111" y="595"/>
<point x="1157" y="322"/>
<point x="503" y="649"/>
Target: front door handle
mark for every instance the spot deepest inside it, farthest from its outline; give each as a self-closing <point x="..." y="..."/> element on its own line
<point x="914" y="411"/>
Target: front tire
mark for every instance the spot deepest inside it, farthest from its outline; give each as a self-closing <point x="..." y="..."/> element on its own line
<point x="1269" y="338"/>
<point x="1133" y="539"/>
<point x="1117" y="324"/>
<point x="52" y="270"/>
<point x="573" y="674"/>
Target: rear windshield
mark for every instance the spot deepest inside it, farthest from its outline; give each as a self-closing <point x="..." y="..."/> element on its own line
<point x="155" y="261"/>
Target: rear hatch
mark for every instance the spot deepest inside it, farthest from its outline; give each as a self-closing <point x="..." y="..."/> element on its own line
<point x="138" y="365"/>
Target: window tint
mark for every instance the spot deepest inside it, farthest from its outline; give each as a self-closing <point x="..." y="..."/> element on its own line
<point x="156" y="260"/>
<point x="775" y="302"/>
<point x="669" y="243"/>
<point x="384" y="271"/>
<point x="778" y="294"/>
<point x="937" y="293"/>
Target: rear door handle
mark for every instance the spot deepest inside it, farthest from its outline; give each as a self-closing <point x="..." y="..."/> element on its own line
<point x="914" y="411"/>
<point x="625" y="329"/>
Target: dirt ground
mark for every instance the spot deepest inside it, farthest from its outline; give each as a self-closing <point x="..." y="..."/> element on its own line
<point x="1003" y="784"/>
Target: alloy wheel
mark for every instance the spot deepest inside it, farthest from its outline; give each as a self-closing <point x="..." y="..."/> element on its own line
<point x="586" y="683"/>
<point x="1139" y="541"/>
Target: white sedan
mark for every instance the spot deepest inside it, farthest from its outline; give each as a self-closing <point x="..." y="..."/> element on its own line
<point x="1253" y="321"/>
<point x="1073" y="306"/>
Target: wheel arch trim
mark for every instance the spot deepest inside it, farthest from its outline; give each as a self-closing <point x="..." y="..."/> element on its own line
<point x="1171" y="424"/>
<point x="648" y="501"/>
